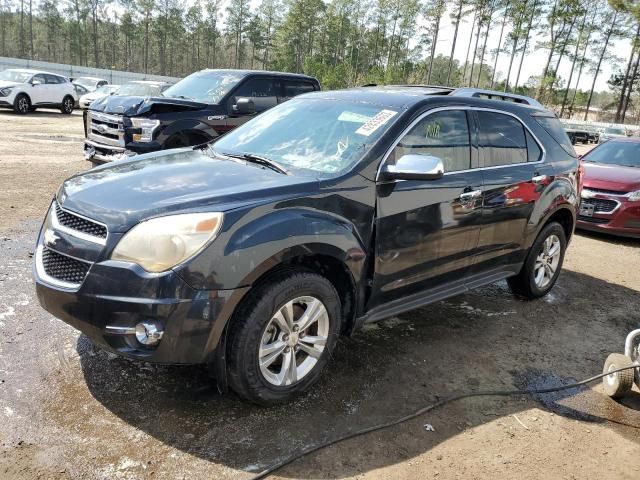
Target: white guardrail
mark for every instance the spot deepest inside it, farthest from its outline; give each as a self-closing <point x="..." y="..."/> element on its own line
<point x="74" y="71"/>
<point x="629" y="128"/>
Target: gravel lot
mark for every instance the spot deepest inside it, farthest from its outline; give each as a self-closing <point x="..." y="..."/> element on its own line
<point x="69" y="410"/>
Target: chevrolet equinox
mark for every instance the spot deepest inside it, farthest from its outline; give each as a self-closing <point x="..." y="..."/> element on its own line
<point x="253" y="253"/>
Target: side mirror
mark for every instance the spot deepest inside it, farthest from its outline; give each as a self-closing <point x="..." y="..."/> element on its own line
<point x="414" y="166"/>
<point x="243" y="106"/>
<point x="35" y="82"/>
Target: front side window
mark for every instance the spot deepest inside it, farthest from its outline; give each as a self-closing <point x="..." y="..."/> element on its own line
<point x="263" y="92"/>
<point x="501" y="139"/>
<point x="318" y="137"/>
<point x="442" y="134"/>
<point x="38" y="78"/>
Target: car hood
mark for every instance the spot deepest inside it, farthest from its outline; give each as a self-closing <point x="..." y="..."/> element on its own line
<point x="124" y="193"/>
<point x="139" y="106"/>
<point x="611" y="177"/>
<point x="7" y="83"/>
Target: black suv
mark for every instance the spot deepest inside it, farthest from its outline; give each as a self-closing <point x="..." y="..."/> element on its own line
<point x="252" y="253"/>
<point x="195" y="110"/>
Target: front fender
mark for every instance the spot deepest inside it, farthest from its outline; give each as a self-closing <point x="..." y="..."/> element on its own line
<point x="186" y="126"/>
<point x="248" y="249"/>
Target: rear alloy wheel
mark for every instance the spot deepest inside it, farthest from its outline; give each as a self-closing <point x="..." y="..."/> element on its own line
<point x="542" y="265"/>
<point x="67" y="105"/>
<point x="282" y="337"/>
<point x="21" y="104"/>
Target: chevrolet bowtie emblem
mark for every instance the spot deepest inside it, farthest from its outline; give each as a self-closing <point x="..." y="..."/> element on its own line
<point x="50" y="238"/>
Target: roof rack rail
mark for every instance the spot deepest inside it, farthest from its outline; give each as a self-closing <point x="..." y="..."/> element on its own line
<point x="494" y="95"/>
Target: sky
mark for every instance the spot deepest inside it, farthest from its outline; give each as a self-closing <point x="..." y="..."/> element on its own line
<point x="535" y="59"/>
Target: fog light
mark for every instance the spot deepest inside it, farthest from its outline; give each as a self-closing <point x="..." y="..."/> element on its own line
<point x="148" y="333"/>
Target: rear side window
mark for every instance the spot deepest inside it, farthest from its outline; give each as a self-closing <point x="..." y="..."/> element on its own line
<point x="502" y="139"/>
<point x="294" y="87"/>
<point x="533" y="149"/>
<point x="441" y="134"/>
<point x="554" y="128"/>
<point x="52" y="79"/>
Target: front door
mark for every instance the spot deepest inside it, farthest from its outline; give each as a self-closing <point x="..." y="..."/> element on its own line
<point x="427" y="231"/>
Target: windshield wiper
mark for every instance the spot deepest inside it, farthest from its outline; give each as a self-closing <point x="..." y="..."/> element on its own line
<point x="259" y="160"/>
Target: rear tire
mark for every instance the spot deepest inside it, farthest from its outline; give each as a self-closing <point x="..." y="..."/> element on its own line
<point x="67" y="105"/>
<point x="268" y="361"/>
<point x="542" y="265"/>
<point x="617" y="384"/>
<point x="22" y="104"/>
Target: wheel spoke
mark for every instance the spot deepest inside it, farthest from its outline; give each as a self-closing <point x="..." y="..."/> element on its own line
<point x="281" y="321"/>
<point x="555" y="249"/>
<point x="539" y="276"/>
<point x="311" y="315"/>
<point x="267" y="358"/>
<point x="320" y="341"/>
<point x="289" y="369"/>
<point x="272" y="347"/>
<point x="314" y="352"/>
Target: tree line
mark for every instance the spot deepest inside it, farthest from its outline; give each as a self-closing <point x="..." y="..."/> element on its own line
<point x="347" y="42"/>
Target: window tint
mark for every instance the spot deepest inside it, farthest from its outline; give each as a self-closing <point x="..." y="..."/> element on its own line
<point x="257" y="87"/>
<point x="501" y="139"/>
<point x="263" y="92"/>
<point x="554" y="128"/>
<point x="293" y="88"/>
<point x="533" y="149"/>
<point x="442" y="134"/>
<point x="52" y="79"/>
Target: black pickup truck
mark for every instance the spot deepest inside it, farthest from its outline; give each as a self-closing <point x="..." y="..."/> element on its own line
<point x="195" y="110"/>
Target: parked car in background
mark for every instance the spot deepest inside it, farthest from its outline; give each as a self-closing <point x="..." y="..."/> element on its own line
<point x="254" y="252"/>
<point x="593" y="134"/>
<point x="25" y="90"/>
<point x="577" y="133"/>
<point x="611" y="188"/>
<point x="195" y="110"/>
<point x="612" y="132"/>
<point x="103" y="91"/>
<point x="90" y="83"/>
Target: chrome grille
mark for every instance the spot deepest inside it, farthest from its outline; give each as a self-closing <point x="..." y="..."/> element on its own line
<point x="63" y="268"/>
<point x="105" y="129"/>
<point x="80" y="224"/>
<point x="601" y="205"/>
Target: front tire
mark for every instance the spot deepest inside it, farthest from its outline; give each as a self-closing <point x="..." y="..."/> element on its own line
<point x="282" y="338"/>
<point x="22" y="104"/>
<point x="542" y="266"/>
<point x="67" y="105"/>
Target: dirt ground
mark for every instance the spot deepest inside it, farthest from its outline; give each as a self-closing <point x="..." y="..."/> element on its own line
<point x="69" y="410"/>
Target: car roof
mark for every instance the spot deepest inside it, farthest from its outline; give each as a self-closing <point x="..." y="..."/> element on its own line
<point x="149" y="82"/>
<point x="33" y="72"/>
<point x="405" y="96"/>
<point x="245" y="73"/>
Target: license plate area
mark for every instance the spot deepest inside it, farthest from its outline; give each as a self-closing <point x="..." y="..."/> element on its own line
<point x="587" y="209"/>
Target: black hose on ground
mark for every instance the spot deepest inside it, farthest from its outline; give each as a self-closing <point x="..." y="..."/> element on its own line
<point x="428" y="408"/>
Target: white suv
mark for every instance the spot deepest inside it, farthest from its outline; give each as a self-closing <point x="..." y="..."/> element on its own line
<point x="26" y="90"/>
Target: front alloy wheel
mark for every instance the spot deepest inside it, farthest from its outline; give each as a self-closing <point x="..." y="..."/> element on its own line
<point x="547" y="261"/>
<point x="293" y="341"/>
<point x="282" y="336"/>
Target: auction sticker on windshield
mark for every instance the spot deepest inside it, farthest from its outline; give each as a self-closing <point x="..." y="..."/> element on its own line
<point x="376" y="122"/>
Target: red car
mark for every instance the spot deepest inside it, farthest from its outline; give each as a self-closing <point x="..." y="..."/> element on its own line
<point x="611" y="188"/>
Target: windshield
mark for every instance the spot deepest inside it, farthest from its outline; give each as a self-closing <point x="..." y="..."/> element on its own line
<point x="15" y="76"/>
<point x="139" y="89"/>
<point x="205" y="86"/>
<point x="615" y="131"/>
<point x="612" y="152"/>
<point x="325" y="137"/>
<point x="107" y="89"/>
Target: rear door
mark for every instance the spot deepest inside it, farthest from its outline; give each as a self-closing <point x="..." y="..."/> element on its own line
<point x="427" y="231"/>
<point x="510" y="158"/>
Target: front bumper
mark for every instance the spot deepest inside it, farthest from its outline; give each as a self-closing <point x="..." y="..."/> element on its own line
<point x="624" y="220"/>
<point x="120" y="294"/>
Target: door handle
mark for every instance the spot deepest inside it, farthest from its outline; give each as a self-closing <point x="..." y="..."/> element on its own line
<point x="539" y="179"/>
<point x="466" y="196"/>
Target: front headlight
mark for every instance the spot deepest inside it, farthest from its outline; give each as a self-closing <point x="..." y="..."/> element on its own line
<point x="146" y="126"/>
<point x="162" y="243"/>
<point x="4" y="92"/>
<point x="634" y="196"/>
